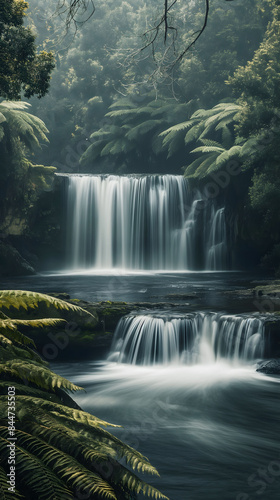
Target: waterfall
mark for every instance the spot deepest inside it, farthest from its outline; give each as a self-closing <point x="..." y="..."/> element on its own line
<point x="136" y="222"/>
<point x="193" y="338"/>
<point x="217" y="248"/>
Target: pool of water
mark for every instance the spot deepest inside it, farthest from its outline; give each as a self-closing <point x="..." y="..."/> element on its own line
<point x="207" y="289"/>
<point x="211" y="430"/>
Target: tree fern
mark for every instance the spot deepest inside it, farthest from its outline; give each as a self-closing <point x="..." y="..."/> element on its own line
<point x="204" y="123"/>
<point x="134" y="129"/>
<point x="28" y="128"/>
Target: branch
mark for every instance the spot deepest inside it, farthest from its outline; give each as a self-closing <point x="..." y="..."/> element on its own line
<point x="73" y="8"/>
<point x="207" y="9"/>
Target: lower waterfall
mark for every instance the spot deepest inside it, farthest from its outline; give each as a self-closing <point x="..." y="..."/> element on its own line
<point x="190" y="339"/>
<point x="152" y="222"/>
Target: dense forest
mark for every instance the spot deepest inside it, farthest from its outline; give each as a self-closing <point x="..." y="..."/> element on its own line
<point x="180" y="102"/>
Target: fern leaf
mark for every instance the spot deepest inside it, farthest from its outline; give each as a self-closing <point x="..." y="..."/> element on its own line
<point x="191" y="168"/>
<point x="228" y="155"/>
<point x="31" y="300"/>
<point x="207" y="163"/>
<point x="208" y="149"/>
<point x="177" y="128"/>
<point x="194" y="133"/>
<point x="32" y="472"/>
<point x="4" y="493"/>
<point x="8" y="327"/>
<point x="122" y="103"/>
<point x="142" y="128"/>
<point x="39" y="375"/>
<point x="120" y="113"/>
<point x="114" y="147"/>
<point x="209" y="142"/>
<point x="27" y="390"/>
<point x="92" y="152"/>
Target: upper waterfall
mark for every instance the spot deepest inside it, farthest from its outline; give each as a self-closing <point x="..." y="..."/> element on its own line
<point x="135" y="222"/>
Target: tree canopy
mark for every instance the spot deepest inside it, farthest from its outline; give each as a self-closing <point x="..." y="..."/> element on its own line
<point x="21" y="68"/>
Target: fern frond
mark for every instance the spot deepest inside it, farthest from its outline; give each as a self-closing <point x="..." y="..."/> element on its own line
<point x="93" y="151"/>
<point x="9" y="351"/>
<point x="9" y="329"/>
<point x="177" y="128"/>
<point x="21" y="105"/>
<point x="208" y="149"/>
<point x="88" y="425"/>
<point x="15" y="299"/>
<point x="114" y="147"/>
<point x="4" y="493"/>
<point x="191" y="168"/>
<point x="209" y="142"/>
<point x="207" y="164"/>
<point x="194" y="133"/>
<point x="27" y="390"/>
<point x="120" y="113"/>
<point x="142" y="128"/>
<point x="32" y="472"/>
<point x="39" y="375"/>
<point x="122" y="103"/>
<point x="228" y="155"/>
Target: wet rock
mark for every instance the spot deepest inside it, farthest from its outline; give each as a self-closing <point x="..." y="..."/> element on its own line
<point x="12" y="263"/>
<point x="271" y="367"/>
<point x="182" y="296"/>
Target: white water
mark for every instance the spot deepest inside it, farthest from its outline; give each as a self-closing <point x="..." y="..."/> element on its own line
<point x="217" y="251"/>
<point x="141" y="222"/>
<point x="197" y="338"/>
<point x="211" y="430"/>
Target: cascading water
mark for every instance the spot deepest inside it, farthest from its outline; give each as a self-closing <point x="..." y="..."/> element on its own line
<point x="140" y="222"/>
<point x="217" y="251"/>
<point x="194" y="338"/>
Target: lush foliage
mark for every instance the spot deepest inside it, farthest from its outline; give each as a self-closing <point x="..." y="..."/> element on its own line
<point x="95" y="69"/>
<point x="21" y="181"/>
<point x="21" y="68"/>
<point x="129" y="140"/>
<point x="61" y="451"/>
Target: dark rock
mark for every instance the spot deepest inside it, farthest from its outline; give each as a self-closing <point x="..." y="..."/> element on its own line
<point x="182" y="296"/>
<point x="12" y="263"/>
<point x="271" y="366"/>
<point x="61" y="296"/>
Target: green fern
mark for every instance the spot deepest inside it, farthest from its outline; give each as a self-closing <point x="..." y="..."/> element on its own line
<point x="15" y="300"/>
<point x="35" y="373"/>
<point x="28" y="128"/>
<point x="142" y="128"/>
<point x="4" y="494"/>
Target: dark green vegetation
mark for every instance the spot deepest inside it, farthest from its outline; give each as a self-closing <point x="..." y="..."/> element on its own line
<point x="113" y="108"/>
<point x="21" y="68"/>
<point x="61" y="451"/>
